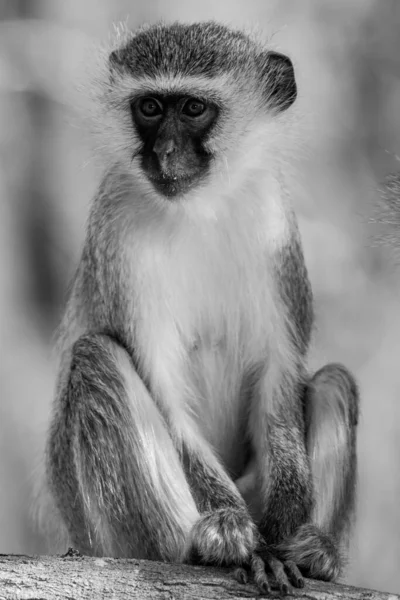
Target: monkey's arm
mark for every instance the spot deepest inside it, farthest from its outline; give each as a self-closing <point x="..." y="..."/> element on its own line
<point x="281" y="460"/>
<point x="225" y="532"/>
<point x="276" y="418"/>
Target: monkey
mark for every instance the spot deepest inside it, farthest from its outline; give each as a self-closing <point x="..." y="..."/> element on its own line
<point x="185" y="425"/>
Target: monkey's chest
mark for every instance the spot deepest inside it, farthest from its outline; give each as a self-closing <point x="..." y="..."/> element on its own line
<point x="202" y="326"/>
<point x="215" y="373"/>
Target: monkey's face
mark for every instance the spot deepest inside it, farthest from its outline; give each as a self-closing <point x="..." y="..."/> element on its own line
<point x="173" y="130"/>
<point x="195" y="107"/>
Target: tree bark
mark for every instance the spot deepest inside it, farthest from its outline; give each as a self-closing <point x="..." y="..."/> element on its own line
<point x="83" y="578"/>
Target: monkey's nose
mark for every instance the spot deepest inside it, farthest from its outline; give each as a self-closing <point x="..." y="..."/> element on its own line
<point x="164" y="148"/>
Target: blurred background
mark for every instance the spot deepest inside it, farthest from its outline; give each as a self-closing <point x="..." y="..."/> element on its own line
<point x="347" y="59"/>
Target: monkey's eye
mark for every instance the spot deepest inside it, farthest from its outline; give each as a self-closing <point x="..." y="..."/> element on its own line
<point x="150" y="107"/>
<point x="193" y="108"/>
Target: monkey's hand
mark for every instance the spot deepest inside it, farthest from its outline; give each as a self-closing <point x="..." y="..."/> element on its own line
<point x="228" y="536"/>
<point x="225" y="536"/>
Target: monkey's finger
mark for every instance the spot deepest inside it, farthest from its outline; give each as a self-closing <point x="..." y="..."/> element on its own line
<point x="240" y="574"/>
<point x="293" y="572"/>
<point x="278" y="571"/>
<point x="259" y="574"/>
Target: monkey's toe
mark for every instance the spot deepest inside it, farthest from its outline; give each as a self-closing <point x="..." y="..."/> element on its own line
<point x="283" y="575"/>
<point x="260" y="577"/>
<point x="256" y="568"/>
<point x="226" y="536"/>
<point x="293" y="572"/>
<point x="281" y="572"/>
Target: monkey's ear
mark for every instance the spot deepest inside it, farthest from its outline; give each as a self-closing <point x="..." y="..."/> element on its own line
<point x="116" y="64"/>
<point x="278" y="80"/>
<point x="115" y="59"/>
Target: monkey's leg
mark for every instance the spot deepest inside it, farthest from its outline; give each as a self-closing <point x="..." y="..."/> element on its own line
<point x="114" y="471"/>
<point x="331" y="413"/>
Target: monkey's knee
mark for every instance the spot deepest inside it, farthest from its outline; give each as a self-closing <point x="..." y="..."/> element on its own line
<point x="332" y="393"/>
<point x="81" y="457"/>
<point x="331" y="416"/>
<point x="113" y="468"/>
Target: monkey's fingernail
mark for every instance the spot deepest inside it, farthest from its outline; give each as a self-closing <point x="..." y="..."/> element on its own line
<point x="284" y="589"/>
<point x="294" y="574"/>
<point x="265" y="588"/>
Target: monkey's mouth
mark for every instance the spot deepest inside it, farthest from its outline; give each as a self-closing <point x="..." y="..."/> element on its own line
<point x="174" y="186"/>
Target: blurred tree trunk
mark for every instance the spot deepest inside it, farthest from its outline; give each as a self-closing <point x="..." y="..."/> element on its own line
<point x="36" y="221"/>
<point x="30" y="294"/>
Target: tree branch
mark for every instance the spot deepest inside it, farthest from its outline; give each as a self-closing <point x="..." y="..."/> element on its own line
<point x="83" y="578"/>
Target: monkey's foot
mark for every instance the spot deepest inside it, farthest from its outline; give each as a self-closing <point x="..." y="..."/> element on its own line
<point x="314" y="552"/>
<point x="72" y="553"/>
<point x="226" y="536"/>
<point x="284" y="574"/>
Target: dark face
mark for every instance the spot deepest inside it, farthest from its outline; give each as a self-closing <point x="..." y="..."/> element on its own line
<point x="173" y="130"/>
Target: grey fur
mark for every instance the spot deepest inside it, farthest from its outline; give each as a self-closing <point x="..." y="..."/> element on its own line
<point x="335" y="386"/>
<point x="131" y="471"/>
<point x="97" y="454"/>
<point x="207" y="49"/>
<point x="296" y="292"/>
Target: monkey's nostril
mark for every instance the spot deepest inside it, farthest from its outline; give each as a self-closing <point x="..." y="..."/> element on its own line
<point x="170" y="149"/>
<point x="164" y="148"/>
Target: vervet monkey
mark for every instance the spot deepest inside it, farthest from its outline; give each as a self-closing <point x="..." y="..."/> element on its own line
<point x="185" y="425"/>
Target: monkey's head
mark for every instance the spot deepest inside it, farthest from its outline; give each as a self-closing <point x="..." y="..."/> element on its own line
<point x="184" y="101"/>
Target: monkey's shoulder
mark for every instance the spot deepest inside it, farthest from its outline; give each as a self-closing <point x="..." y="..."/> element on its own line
<point x="295" y="290"/>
